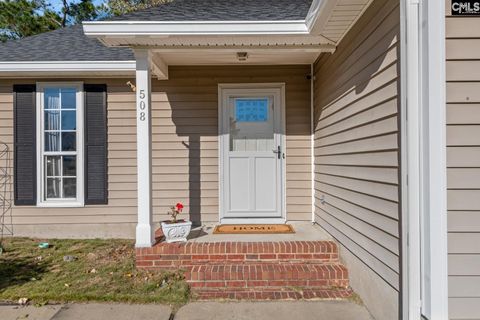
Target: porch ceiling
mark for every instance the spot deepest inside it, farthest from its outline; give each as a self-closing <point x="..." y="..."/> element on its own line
<point x="222" y="50"/>
<point x="216" y="41"/>
<point x="229" y="57"/>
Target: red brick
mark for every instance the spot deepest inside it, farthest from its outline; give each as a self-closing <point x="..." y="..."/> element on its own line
<point x="277" y="283"/>
<point x="285" y="256"/>
<point x="267" y="256"/>
<point x="214" y="284"/>
<point x="236" y="284"/>
<point x="200" y="257"/>
<point x="199" y="284"/>
<point x="164" y="263"/>
<point x="235" y="257"/>
<point x="217" y="257"/>
<point x="144" y="263"/>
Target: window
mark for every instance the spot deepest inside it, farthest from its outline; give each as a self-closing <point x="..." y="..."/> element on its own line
<point x="60" y="144"/>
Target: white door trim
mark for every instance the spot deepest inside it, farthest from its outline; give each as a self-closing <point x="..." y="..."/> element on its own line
<point x="424" y="183"/>
<point x="222" y="143"/>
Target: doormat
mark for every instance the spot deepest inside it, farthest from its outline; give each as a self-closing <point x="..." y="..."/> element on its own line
<point x="253" y="229"/>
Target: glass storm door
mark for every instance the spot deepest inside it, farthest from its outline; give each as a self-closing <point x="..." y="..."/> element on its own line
<point x="253" y="154"/>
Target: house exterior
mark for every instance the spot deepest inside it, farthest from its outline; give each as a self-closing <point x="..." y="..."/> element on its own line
<point x="360" y="116"/>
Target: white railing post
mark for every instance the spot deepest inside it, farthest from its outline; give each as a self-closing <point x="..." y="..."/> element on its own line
<point x="144" y="232"/>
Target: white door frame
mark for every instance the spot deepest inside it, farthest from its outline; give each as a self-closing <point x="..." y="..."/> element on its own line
<point x="424" y="184"/>
<point x="223" y="143"/>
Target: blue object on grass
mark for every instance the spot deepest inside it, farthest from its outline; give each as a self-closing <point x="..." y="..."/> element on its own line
<point x="43" y="245"/>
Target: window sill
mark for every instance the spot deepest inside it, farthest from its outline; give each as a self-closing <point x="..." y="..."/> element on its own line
<point x="60" y="205"/>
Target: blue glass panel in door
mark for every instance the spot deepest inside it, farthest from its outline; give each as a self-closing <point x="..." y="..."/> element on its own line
<point x="251" y="110"/>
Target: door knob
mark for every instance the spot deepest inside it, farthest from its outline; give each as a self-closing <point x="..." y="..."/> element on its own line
<point x="278" y="151"/>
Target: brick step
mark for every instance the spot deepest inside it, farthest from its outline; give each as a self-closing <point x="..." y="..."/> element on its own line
<point x="272" y="294"/>
<point x="254" y="270"/>
<point x="170" y="255"/>
<point x="271" y="276"/>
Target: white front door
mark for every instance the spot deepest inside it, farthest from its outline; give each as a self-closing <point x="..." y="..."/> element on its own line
<point x="252" y="154"/>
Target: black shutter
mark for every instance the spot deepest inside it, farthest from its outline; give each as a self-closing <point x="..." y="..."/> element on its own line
<point x="96" y="183"/>
<point x="25" y="152"/>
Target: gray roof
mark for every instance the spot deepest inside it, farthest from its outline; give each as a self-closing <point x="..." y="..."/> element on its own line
<point x="66" y="44"/>
<point x="215" y="10"/>
<point x="70" y="43"/>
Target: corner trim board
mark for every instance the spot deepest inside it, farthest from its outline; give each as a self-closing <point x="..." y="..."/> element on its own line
<point x="424" y="213"/>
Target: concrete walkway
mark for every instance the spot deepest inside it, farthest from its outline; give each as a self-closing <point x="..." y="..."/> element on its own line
<point x="278" y="310"/>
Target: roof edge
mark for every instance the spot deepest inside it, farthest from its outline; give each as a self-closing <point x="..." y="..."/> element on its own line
<point x="67" y="66"/>
<point x="167" y="28"/>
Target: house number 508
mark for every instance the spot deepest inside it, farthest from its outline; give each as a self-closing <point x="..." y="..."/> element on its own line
<point x="142" y="105"/>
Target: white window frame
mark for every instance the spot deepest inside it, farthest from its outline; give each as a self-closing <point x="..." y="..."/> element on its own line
<point x="79" y="201"/>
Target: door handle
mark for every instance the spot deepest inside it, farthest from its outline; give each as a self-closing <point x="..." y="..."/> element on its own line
<point x="278" y="151"/>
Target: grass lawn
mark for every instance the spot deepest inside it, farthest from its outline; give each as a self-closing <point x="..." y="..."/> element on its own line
<point x="103" y="270"/>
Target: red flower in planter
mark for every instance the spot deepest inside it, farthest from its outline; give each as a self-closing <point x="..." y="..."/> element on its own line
<point x="179" y="206"/>
<point x="175" y="211"/>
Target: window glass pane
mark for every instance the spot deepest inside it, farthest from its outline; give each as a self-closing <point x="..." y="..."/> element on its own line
<point x="69" y="188"/>
<point x="52" y="98"/>
<point x="52" y="120"/>
<point x="60" y="137"/>
<point x="69" y="120"/>
<point x="251" y="124"/>
<point x="52" y="141"/>
<point x="53" y="166"/>
<point x="69" y="98"/>
<point x="69" y="141"/>
<point x="53" y="188"/>
<point x="69" y="166"/>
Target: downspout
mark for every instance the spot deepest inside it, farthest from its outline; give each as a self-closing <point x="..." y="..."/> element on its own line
<point x="312" y="142"/>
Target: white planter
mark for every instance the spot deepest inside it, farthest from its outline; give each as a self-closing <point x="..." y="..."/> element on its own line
<point x="176" y="232"/>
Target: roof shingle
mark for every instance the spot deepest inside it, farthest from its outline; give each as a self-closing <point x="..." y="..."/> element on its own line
<point x="227" y="10"/>
<point x="66" y="44"/>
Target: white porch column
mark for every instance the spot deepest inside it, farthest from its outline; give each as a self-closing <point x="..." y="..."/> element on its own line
<point x="144" y="233"/>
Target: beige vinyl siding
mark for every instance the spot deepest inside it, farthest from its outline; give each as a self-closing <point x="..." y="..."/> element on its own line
<point x="185" y="136"/>
<point x="357" y="149"/>
<point x="184" y="150"/>
<point x="463" y="164"/>
<point x="122" y="197"/>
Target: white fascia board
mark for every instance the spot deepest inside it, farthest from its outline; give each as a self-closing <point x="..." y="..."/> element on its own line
<point x="67" y="66"/>
<point x="318" y="15"/>
<point x="167" y="28"/>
